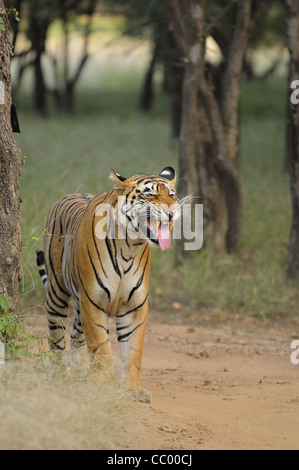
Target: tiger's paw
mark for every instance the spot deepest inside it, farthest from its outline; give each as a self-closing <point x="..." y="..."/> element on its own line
<point x="141" y="396"/>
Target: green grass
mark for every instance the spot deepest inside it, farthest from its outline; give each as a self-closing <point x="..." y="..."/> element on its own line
<point x="69" y="154"/>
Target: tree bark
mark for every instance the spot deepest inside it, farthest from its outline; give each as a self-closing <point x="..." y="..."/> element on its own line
<point x="209" y="140"/>
<point x="193" y="18"/>
<point x="71" y="81"/>
<point x="211" y="186"/>
<point x="174" y="70"/>
<point x="292" y="13"/>
<point x="229" y="109"/>
<point x="288" y="150"/>
<point x="37" y="34"/>
<point x="232" y="77"/>
<point x="188" y="27"/>
<point x="10" y="166"/>
<point x="147" y="91"/>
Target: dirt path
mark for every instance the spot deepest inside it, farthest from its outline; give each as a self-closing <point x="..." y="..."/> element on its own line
<point x="216" y="388"/>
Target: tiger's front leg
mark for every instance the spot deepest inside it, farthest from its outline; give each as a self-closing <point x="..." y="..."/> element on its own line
<point x="130" y="327"/>
<point x="96" y="332"/>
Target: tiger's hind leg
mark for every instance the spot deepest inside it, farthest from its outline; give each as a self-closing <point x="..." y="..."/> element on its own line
<point x="57" y="307"/>
<point x="77" y="339"/>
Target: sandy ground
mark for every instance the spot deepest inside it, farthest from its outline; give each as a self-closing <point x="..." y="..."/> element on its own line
<point x="218" y="388"/>
<point x="215" y="387"/>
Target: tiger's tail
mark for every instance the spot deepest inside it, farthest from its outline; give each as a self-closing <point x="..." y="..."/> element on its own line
<point x="40" y="261"/>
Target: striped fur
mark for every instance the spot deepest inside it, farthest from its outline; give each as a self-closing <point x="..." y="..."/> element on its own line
<point x="106" y="276"/>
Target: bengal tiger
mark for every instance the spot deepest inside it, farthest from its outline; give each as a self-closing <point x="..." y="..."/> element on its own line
<point x="97" y="251"/>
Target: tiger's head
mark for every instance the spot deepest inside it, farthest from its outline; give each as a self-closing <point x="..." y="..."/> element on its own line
<point x="149" y="206"/>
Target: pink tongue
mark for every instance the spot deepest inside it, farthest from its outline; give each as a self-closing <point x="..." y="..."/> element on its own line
<point x="164" y="237"/>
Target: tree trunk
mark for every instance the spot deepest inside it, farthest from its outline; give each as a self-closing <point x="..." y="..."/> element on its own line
<point x="209" y="141"/>
<point x="40" y="99"/>
<point x="174" y="71"/>
<point x="71" y="82"/>
<point x="292" y="9"/>
<point x="37" y="35"/>
<point x="192" y="21"/>
<point x="10" y="165"/>
<point x="175" y="90"/>
<point x="211" y="186"/>
<point x="147" y="91"/>
<point x="229" y="107"/>
<point x="232" y="77"/>
<point x="288" y="150"/>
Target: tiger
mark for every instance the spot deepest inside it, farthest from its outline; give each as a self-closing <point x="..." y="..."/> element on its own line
<point x="97" y="252"/>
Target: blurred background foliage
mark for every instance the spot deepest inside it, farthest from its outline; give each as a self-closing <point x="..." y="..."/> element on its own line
<point x="92" y="86"/>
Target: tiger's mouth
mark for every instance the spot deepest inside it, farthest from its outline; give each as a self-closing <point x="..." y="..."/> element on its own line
<point x="158" y="232"/>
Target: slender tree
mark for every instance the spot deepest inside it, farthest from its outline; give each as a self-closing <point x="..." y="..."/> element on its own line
<point x="292" y="14"/>
<point x="10" y="165"/>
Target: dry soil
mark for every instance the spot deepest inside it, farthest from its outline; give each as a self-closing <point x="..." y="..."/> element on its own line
<point x="218" y="388"/>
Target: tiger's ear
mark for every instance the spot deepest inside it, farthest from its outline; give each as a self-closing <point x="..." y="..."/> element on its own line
<point x="169" y="174"/>
<point x="117" y="179"/>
